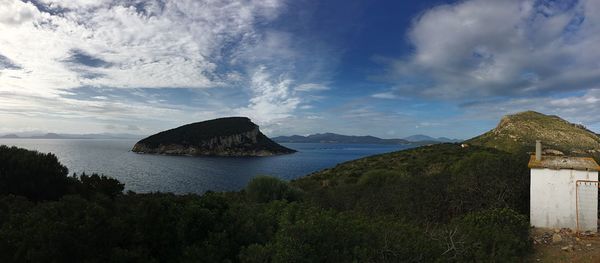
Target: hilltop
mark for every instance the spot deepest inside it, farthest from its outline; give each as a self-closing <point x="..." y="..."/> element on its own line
<point x="233" y="136"/>
<point x="518" y="132"/>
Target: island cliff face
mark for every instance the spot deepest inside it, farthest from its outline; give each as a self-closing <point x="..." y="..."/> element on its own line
<point x="233" y="136"/>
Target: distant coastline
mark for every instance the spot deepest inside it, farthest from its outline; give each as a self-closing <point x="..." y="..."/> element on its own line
<point x="351" y="139"/>
<point x="58" y="136"/>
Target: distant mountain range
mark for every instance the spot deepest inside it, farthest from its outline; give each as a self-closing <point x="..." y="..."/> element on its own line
<point x="425" y="138"/>
<point x="70" y="136"/>
<point x="339" y="138"/>
<point x="314" y="138"/>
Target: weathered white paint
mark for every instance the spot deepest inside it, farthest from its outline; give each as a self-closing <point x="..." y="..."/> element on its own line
<point x="553" y="199"/>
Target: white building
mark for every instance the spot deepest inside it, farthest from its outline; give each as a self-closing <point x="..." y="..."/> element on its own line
<point x="564" y="192"/>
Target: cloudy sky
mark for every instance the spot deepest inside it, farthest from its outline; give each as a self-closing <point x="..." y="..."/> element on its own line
<point x="385" y="68"/>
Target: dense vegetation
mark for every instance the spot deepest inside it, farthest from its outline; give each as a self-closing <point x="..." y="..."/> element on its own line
<point x="437" y="203"/>
<point x="195" y="133"/>
<point x="427" y="184"/>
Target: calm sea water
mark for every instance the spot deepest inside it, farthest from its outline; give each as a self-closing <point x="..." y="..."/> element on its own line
<point x="181" y="174"/>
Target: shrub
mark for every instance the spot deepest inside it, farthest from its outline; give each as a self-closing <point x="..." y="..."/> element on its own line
<point x="309" y="234"/>
<point x="100" y="184"/>
<point x="314" y="235"/>
<point x="264" y="189"/>
<point x="381" y="178"/>
<point x="31" y="174"/>
<point x="256" y="253"/>
<point x="500" y="235"/>
<point x="486" y="180"/>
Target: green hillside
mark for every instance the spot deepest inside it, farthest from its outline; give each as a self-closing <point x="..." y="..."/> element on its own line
<point x="428" y="184"/>
<point x="518" y="132"/>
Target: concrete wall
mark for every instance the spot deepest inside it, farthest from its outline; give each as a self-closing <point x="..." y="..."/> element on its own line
<point x="553" y="202"/>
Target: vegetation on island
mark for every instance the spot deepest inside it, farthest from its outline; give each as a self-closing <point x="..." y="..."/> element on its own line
<point x="232" y="136"/>
<point x="200" y="131"/>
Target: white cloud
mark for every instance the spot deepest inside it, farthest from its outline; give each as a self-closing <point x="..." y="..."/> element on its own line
<point x="147" y="43"/>
<point x="16" y="12"/>
<point x="311" y="87"/>
<point x="385" y="95"/>
<point x="506" y="48"/>
<point x="272" y="98"/>
<point x="79" y="4"/>
<point x="51" y="48"/>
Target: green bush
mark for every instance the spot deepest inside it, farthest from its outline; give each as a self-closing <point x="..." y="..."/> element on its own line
<point x="101" y="184"/>
<point x="40" y="177"/>
<point x="314" y="235"/>
<point x="485" y="180"/>
<point x="431" y="184"/>
<point x="69" y="230"/>
<point x="309" y="234"/>
<point x="264" y="189"/>
<point x="496" y="235"/>
<point x="34" y="175"/>
<point x="382" y="177"/>
<point x="256" y="253"/>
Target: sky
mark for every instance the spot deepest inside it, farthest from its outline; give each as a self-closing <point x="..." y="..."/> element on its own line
<point x="384" y="68"/>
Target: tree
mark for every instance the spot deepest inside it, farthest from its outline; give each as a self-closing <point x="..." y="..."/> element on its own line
<point x="35" y="175"/>
<point x="496" y="235"/>
<point x="264" y="189"/>
<point x="99" y="184"/>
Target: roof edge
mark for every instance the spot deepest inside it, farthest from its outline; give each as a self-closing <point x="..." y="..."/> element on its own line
<point x="592" y="164"/>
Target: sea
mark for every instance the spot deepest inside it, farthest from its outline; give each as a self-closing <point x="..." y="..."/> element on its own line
<point x="145" y="173"/>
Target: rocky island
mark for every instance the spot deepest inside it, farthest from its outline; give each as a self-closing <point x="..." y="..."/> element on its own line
<point x="232" y="136"/>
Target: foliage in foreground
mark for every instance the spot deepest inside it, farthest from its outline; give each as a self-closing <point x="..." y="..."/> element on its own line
<point x="91" y="220"/>
<point x="429" y="184"/>
<point x="499" y="234"/>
